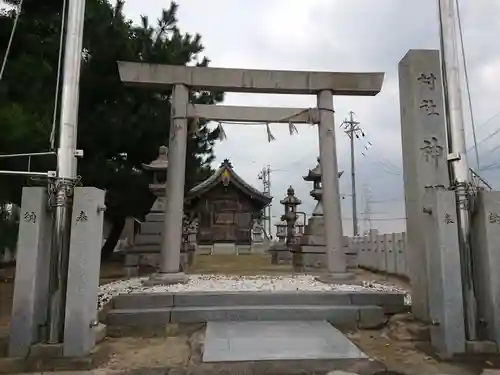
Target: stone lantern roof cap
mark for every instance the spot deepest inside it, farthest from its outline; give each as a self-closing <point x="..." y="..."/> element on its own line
<point x="315" y="173"/>
<point x="291" y="198"/>
<point x="160" y="163"/>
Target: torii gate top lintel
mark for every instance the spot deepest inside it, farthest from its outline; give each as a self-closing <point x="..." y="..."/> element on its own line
<point x="251" y="80"/>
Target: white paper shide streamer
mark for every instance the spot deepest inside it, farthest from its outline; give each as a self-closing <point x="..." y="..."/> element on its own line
<point x="270" y="136"/>
<point x="222" y="133"/>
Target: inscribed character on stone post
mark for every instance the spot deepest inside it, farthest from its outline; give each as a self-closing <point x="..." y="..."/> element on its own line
<point x="428" y="79"/>
<point x="30" y="217"/>
<point x="494" y="218"/>
<point x="431" y="109"/>
<point x="428" y="82"/>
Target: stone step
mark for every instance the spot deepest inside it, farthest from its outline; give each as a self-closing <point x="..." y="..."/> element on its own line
<point x="147" y="239"/>
<point x="337" y="315"/>
<point x="392" y="302"/>
<point x="152" y="227"/>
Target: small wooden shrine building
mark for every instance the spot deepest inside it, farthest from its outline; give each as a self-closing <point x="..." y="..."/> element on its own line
<point x="226" y="208"/>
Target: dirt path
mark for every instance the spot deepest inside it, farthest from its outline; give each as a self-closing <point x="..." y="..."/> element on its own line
<point x="396" y="347"/>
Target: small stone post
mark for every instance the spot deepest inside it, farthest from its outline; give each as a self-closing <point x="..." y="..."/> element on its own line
<point x="81" y="327"/>
<point x="29" y="305"/>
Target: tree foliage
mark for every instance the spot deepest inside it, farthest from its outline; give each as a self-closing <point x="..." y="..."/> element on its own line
<point x="120" y="127"/>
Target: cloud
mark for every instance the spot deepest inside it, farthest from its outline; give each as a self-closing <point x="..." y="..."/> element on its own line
<point x="339" y="35"/>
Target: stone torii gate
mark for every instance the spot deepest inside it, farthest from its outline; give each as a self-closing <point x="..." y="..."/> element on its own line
<point x="181" y="79"/>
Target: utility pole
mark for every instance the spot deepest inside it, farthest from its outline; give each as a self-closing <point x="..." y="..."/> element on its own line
<point x="352" y="129"/>
<point x="265" y="176"/>
<point x="66" y="177"/>
<point x="460" y="179"/>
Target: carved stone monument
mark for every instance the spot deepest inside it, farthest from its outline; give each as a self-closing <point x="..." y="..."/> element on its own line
<point x="433" y="250"/>
<point x="423" y="134"/>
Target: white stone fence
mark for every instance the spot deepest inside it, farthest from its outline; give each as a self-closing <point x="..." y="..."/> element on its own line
<point x="385" y="253"/>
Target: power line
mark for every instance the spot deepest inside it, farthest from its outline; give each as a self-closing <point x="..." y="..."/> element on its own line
<point x="387" y="165"/>
<point x="489" y="120"/>
<point x="467" y="85"/>
<point x="381" y="218"/>
<point x="388" y="200"/>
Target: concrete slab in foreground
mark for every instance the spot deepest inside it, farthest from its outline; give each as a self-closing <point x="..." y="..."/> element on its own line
<point x="277" y="340"/>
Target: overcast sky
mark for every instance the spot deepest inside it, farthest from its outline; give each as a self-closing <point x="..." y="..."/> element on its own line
<point x="339" y="35"/>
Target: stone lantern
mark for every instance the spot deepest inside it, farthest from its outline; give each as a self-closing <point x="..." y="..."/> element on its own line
<point x="147" y="242"/>
<point x="290" y="217"/>
<point x="278" y="250"/>
<point x="290" y="202"/>
<point x="316" y="193"/>
<point x="313" y="245"/>
<point x="281" y="231"/>
<point x="159" y="168"/>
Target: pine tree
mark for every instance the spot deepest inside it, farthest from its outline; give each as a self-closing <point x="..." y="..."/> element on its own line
<point x="119" y="127"/>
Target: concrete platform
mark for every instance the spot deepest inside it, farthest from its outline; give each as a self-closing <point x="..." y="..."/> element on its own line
<point x="287" y="340"/>
<point x="364" y="309"/>
<point x="391" y="302"/>
<point x="338" y="315"/>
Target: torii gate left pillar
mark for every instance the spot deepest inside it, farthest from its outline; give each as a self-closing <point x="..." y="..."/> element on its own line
<point x="322" y="84"/>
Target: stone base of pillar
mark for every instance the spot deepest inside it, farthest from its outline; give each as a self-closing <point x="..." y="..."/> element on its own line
<point x="166" y="279"/>
<point x="297" y="262"/>
<point x="338" y="278"/>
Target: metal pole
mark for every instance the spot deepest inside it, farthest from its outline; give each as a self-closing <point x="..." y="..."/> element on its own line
<point x="458" y="157"/>
<point x="66" y="170"/>
<point x="4" y="156"/>
<point x="25" y="173"/>
<point x="353" y="130"/>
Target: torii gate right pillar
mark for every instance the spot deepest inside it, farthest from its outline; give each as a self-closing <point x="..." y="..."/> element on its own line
<point x="335" y="257"/>
<point x="322" y="84"/>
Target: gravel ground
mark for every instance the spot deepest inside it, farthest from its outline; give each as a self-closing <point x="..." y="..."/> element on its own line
<point x="219" y="283"/>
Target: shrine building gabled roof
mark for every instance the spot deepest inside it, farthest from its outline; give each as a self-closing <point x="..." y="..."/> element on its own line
<point x="226" y="175"/>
